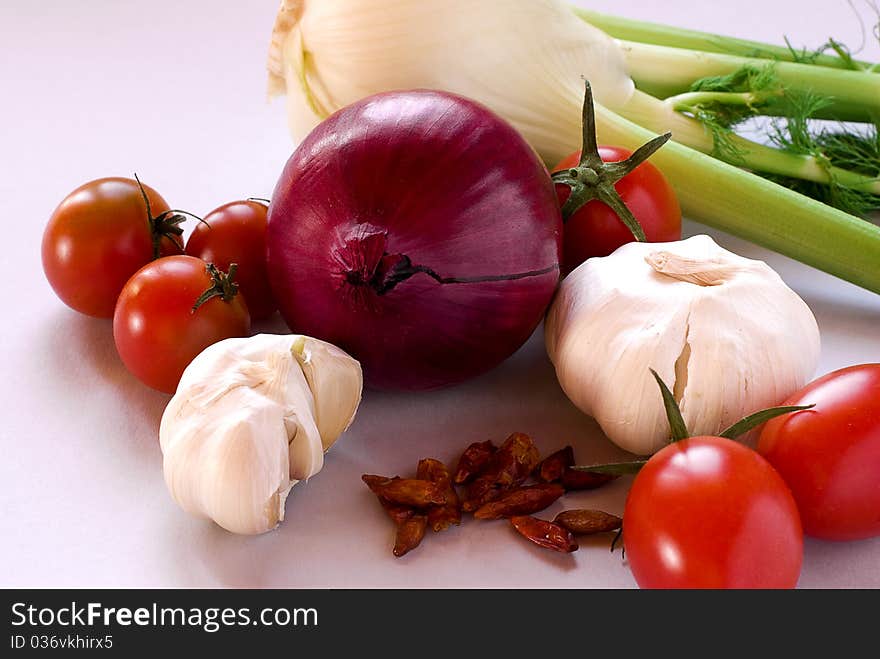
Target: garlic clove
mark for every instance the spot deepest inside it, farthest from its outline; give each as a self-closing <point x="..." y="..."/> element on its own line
<point x="336" y="383"/>
<point x="306" y="450"/>
<point x="238" y="475"/>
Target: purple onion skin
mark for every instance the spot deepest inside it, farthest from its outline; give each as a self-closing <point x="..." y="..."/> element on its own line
<point x="418" y="231"/>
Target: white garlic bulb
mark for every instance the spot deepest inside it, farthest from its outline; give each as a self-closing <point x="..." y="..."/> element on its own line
<point x="250" y="418"/>
<point x="724" y="332"/>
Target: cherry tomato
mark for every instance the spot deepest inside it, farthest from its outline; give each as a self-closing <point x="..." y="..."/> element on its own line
<point x="707" y="512"/>
<point x="236" y="233"/>
<point x="595" y="229"/>
<point x="156" y="330"/>
<point x="98" y="237"/>
<point x="830" y="455"/>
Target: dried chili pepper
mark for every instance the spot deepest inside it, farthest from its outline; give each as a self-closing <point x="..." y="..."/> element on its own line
<point x="588" y="522"/>
<point x="545" y="534"/>
<point x="479" y="493"/>
<point x="440" y="517"/>
<point x="473" y="461"/>
<point x="525" y="457"/>
<point x="508" y="467"/>
<point x="411" y="492"/>
<point x="521" y="501"/>
<point x="373" y="481"/>
<point x="552" y="467"/>
<point x="410" y="534"/>
<point x="575" y="479"/>
<point x="397" y="512"/>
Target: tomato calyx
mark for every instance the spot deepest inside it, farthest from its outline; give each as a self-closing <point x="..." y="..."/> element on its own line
<point x="166" y="224"/>
<point x="260" y="200"/>
<point x="678" y="429"/>
<point x="222" y="285"/>
<point x="593" y="178"/>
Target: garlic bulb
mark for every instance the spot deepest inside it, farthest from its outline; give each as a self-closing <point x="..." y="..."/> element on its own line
<point x="724" y="332"/>
<point x="524" y="60"/>
<point x="250" y="418"/>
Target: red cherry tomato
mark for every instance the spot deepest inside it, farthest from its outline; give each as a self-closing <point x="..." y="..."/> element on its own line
<point x="707" y="512"/>
<point x="158" y="334"/>
<point x="830" y="455"/>
<point x="97" y="238"/>
<point x="236" y="233"/>
<point x="595" y="229"/>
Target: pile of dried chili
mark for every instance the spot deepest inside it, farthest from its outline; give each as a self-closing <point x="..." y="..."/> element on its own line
<point x="496" y="485"/>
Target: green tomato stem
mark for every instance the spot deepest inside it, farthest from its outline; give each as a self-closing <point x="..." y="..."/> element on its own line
<point x="614" y="468"/>
<point x="222" y="285"/>
<point x="752" y="421"/>
<point x="677" y="427"/>
<point x="592" y="178"/>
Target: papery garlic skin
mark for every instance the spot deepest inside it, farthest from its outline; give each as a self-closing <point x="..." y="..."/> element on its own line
<point x="724" y="332"/>
<point x="252" y="417"/>
<point x="524" y="60"/>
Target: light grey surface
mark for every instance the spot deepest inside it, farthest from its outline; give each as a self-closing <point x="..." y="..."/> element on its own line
<point x="176" y="92"/>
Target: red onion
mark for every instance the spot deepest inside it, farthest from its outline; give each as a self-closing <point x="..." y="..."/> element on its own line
<point x="418" y="231"/>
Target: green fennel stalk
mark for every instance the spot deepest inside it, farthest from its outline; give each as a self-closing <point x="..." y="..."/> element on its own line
<point x="665" y="71"/>
<point x="664" y="35"/>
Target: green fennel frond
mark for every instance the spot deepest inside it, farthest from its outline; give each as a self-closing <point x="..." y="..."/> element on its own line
<point x="837" y="146"/>
<point x="733" y="99"/>
<point x="746" y="79"/>
<point x="840" y="50"/>
<point x="755" y="89"/>
<point x="719" y="122"/>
